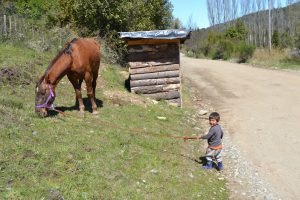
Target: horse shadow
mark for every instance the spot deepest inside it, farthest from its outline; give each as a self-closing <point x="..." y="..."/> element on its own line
<point x="86" y="102"/>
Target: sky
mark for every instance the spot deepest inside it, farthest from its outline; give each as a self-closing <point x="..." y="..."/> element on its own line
<point x="196" y="9"/>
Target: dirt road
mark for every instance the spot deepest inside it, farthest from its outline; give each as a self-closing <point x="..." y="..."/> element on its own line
<point x="262" y="112"/>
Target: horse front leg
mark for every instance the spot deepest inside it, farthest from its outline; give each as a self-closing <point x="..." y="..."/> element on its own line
<point x="91" y="92"/>
<point x="77" y="87"/>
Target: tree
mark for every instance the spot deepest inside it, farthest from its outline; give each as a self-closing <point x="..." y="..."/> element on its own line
<point x="117" y="15"/>
<point x="270" y="40"/>
<point x="177" y="24"/>
<point x="286" y="40"/>
<point x="211" y="12"/>
<point x="191" y="25"/>
<point x="275" y="39"/>
<point x="237" y="32"/>
<point x="297" y="42"/>
<point x="35" y="9"/>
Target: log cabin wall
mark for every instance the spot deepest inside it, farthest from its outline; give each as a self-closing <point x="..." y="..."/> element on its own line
<point x="155" y="69"/>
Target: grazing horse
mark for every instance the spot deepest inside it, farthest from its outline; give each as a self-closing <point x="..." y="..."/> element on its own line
<point x="79" y="60"/>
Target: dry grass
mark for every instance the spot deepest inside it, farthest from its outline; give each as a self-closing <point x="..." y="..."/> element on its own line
<point x="277" y="59"/>
<point x="264" y="58"/>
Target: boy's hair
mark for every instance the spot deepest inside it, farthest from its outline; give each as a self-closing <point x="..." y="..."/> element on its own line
<point x="214" y="115"/>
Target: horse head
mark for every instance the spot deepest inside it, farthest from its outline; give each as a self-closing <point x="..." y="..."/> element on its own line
<point x="44" y="97"/>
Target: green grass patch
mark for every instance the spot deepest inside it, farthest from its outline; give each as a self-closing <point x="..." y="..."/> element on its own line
<point x="290" y="63"/>
<point x="125" y="152"/>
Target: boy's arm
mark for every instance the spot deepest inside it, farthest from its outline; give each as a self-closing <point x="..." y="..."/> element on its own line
<point x="206" y="136"/>
<point x="200" y="136"/>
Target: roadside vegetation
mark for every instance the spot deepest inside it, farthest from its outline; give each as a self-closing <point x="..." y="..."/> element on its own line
<point x="277" y="59"/>
<point x="227" y="45"/>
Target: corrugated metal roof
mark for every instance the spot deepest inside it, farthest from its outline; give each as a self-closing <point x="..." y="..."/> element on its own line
<point x="156" y="34"/>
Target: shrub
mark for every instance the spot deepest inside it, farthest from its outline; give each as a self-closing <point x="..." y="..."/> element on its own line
<point x="297" y="42"/>
<point x="224" y="50"/>
<point x="285" y="40"/>
<point x="275" y="39"/>
<point x="245" y="52"/>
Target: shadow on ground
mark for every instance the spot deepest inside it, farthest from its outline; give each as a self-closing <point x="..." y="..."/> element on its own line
<point x="86" y="102"/>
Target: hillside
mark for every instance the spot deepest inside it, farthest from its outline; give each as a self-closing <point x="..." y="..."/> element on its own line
<point x="128" y="151"/>
<point x="284" y="20"/>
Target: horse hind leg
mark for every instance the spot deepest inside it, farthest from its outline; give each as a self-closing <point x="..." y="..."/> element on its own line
<point x="77" y="87"/>
<point x="94" y="83"/>
<point x="90" y="87"/>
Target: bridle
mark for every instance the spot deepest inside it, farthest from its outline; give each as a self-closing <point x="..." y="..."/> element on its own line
<point x="51" y="98"/>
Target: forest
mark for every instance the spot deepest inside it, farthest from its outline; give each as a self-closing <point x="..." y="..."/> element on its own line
<point x="237" y="28"/>
<point x="48" y="25"/>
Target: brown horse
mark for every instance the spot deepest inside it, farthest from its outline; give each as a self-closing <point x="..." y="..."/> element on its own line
<point x="79" y="60"/>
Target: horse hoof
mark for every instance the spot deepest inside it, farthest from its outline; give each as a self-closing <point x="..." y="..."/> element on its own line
<point x="81" y="114"/>
<point x="95" y="112"/>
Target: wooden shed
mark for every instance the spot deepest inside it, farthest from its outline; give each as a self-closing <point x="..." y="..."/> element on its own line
<point x="154" y="61"/>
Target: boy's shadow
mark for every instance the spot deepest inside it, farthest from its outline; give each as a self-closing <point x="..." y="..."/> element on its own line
<point x="86" y="102"/>
<point x="202" y="161"/>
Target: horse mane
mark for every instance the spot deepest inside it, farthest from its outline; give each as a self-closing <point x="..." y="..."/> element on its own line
<point x="66" y="50"/>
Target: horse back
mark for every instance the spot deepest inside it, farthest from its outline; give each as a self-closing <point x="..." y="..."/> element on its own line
<point x="86" y="55"/>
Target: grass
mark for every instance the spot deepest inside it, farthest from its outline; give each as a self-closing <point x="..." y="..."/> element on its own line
<point x="278" y="59"/>
<point x="123" y="153"/>
<point x="21" y="65"/>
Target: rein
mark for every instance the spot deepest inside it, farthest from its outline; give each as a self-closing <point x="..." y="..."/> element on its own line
<point x="141" y="132"/>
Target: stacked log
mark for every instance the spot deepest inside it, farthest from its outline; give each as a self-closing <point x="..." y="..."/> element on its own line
<point x="155" y="71"/>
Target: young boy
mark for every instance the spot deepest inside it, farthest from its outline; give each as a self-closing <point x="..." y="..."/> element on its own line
<point x="214" y="139"/>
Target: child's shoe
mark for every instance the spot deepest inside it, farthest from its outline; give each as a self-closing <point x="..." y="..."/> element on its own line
<point x="220" y="166"/>
<point x="208" y="165"/>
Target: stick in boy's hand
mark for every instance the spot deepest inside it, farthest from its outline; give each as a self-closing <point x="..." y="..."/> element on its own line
<point x="189" y="138"/>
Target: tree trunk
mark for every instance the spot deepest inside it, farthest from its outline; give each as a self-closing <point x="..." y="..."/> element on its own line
<point x="4" y="23"/>
<point x="270" y="35"/>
